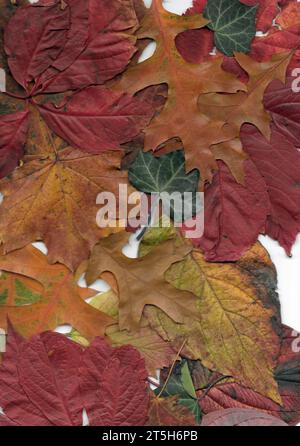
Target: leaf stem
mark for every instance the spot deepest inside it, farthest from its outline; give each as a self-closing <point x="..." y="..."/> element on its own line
<point x="172" y="368"/>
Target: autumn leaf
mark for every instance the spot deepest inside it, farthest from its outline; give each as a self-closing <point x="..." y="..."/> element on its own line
<point x="232" y="331"/>
<point x="167" y="412"/>
<point x="240" y="417"/>
<point x="56" y="298"/>
<point x="141" y="281"/>
<point x="233" y="24"/>
<point x="48" y="380"/>
<point x="52" y="197"/>
<point x="186" y="81"/>
<point x="277" y="162"/>
<point x="156" y="352"/>
<point x="234" y="214"/>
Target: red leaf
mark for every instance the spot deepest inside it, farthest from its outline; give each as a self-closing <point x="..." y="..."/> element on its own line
<point x="263" y="48"/>
<point x="48" y="380"/>
<point x="42" y="32"/>
<point x="13" y="131"/>
<point x="105" y="51"/>
<point x="117" y="378"/>
<point x="278" y="163"/>
<point x="97" y="119"/>
<point x="195" y="45"/>
<point x="197" y="8"/>
<point x="234" y="214"/>
<point x="240" y="417"/>
<point x="266" y="13"/>
<point x="284" y="103"/>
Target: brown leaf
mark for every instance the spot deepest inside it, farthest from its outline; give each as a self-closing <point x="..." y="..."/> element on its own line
<point x="141" y="281"/>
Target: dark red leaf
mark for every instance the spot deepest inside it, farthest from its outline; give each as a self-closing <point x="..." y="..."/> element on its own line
<point x="278" y="163"/>
<point x="49" y="380"/>
<point x="116" y="378"/>
<point x="13" y="131"/>
<point x="105" y="50"/>
<point x="234" y="214"/>
<point x="240" y="417"/>
<point x="97" y="119"/>
<point x="284" y="103"/>
<point x="41" y="34"/>
<point x="277" y="41"/>
<point x="195" y="45"/>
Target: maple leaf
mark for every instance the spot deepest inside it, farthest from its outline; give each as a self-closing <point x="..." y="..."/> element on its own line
<point x="227" y="315"/>
<point x="240" y="417"/>
<point x="141" y="281"/>
<point x="167" y="412"/>
<point x="96" y="119"/>
<point x="52" y="197"/>
<point x="156" y="352"/>
<point x="233" y="24"/>
<point x="48" y="380"/>
<point x="186" y="82"/>
<point x="59" y="302"/>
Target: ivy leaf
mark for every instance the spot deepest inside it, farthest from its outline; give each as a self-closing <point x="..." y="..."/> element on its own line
<point x="180" y="384"/>
<point x="166" y="174"/>
<point x="233" y="24"/>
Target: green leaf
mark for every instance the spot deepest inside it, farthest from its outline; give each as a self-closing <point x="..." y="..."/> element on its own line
<point x="233" y="24"/>
<point x="167" y="173"/>
<point x="180" y="384"/>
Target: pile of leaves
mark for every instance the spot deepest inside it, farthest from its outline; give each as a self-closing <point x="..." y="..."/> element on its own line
<point x="215" y="109"/>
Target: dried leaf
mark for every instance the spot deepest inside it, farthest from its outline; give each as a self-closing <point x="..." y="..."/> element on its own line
<point x="167" y="412"/>
<point x="240" y="417"/>
<point x="61" y="301"/>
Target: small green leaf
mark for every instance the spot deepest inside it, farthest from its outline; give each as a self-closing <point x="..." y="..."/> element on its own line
<point x="150" y="174"/>
<point x="180" y="384"/>
<point x="233" y="24"/>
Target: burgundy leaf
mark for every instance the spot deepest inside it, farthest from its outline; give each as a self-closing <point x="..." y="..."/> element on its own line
<point x="105" y="50"/>
<point x="13" y="133"/>
<point x="117" y="378"/>
<point x="195" y="45"/>
<point x="284" y="105"/>
<point x="234" y="214"/>
<point x="240" y="417"/>
<point x="97" y="119"/>
<point x="278" y="163"/>
<point x="33" y="38"/>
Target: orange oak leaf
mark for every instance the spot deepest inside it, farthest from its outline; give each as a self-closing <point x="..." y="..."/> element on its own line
<point x="180" y="116"/>
<point x="52" y="197"/>
<point x="61" y="301"/>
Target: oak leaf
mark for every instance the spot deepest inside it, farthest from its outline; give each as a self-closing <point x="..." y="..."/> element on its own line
<point x="232" y="331"/>
<point x="186" y="81"/>
<point x="59" y="302"/>
<point x="141" y="281"/>
<point x="156" y="352"/>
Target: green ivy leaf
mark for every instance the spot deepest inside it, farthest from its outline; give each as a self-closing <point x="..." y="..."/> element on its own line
<point x="150" y="174"/>
<point x="180" y="384"/>
<point x="233" y="24"/>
